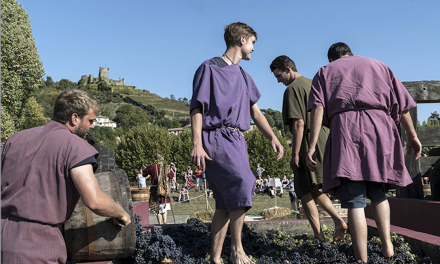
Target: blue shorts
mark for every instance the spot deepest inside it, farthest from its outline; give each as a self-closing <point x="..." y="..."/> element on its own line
<point x="354" y="194"/>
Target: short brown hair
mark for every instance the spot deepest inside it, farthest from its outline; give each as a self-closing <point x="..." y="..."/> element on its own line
<point x="281" y="62"/>
<point x="235" y="30"/>
<point x="74" y="101"/>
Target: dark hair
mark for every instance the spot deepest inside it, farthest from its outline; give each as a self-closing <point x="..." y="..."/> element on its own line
<point x="338" y="50"/>
<point x="281" y="62"/>
<point x="74" y="101"/>
<point x="234" y="31"/>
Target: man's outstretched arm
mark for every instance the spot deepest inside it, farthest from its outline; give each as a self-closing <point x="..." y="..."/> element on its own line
<point x="264" y="127"/>
<point x="94" y="198"/>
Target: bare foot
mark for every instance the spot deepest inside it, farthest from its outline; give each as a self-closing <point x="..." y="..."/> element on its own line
<point x="340" y="231"/>
<point x="239" y="257"/>
<point x="387" y="249"/>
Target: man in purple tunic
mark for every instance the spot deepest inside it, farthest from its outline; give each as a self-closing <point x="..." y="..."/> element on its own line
<point x="44" y="172"/>
<point x="224" y="98"/>
<point x="361" y="101"/>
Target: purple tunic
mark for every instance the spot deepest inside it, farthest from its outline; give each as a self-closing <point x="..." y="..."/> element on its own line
<point x="38" y="193"/>
<point x="225" y="95"/>
<point x="363" y="145"/>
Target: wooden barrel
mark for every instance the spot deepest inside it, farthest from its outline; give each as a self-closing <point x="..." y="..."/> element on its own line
<point x="92" y="237"/>
<point x="140" y="194"/>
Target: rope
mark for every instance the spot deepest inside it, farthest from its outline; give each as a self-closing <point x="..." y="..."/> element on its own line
<point x="191" y="199"/>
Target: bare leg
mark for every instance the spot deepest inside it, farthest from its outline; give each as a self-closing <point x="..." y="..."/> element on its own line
<point x="312" y="214"/>
<point x="159" y="219"/>
<point x="164" y="216"/>
<point x="325" y="203"/>
<point x="219" y="227"/>
<point x="359" y="233"/>
<point x="381" y="213"/>
<point x="238" y="256"/>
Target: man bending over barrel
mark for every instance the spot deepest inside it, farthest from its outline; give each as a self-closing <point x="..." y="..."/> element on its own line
<point x="224" y="98"/>
<point x="44" y="172"/>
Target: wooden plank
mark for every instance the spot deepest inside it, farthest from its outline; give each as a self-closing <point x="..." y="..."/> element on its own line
<point x="424" y="91"/>
<point x="414" y="190"/>
<point x="429" y="136"/>
<point x="427" y="162"/>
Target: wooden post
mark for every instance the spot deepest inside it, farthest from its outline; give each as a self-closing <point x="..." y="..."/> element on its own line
<point x="275" y="190"/>
<point x="415" y="189"/>
<point x="421" y="92"/>
<point x="206" y="195"/>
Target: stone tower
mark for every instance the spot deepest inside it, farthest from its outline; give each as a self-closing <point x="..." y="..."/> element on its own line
<point x="103" y="74"/>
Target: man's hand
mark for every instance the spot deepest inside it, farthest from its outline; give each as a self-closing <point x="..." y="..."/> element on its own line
<point x="414" y="143"/>
<point x="277" y="147"/>
<point x="294" y="162"/>
<point x="310" y="159"/>
<point x="199" y="156"/>
<point x="122" y="221"/>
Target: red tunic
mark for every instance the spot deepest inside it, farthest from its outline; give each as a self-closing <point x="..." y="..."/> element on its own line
<point x="38" y="193"/>
<point x="153" y="170"/>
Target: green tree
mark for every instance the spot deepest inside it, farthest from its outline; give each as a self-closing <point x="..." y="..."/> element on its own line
<point x="128" y="116"/>
<point x="21" y="67"/>
<point x="103" y="86"/>
<point x="65" y="84"/>
<point x="260" y="151"/>
<point x="33" y="115"/>
<point x="49" y="82"/>
<point x="181" y="151"/>
<point x="139" y="145"/>
<point x="278" y="121"/>
<point x="432" y="121"/>
<point x="270" y="120"/>
<point x="105" y="137"/>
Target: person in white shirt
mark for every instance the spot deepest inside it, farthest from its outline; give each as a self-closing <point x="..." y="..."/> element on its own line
<point x="142" y="181"/>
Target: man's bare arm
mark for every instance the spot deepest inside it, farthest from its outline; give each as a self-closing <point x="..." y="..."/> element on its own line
<point x="263" y="126"/>
<point x="198" y="154"/>
<point x="315" y="126"/>
<point x="95" y="199"/>
<point x="297" y="136"/>
<point x="413" y="141"/>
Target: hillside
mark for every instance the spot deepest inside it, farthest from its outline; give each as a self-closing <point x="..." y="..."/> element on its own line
<point x="172" y="108"/>
<point x="114" y="97"/>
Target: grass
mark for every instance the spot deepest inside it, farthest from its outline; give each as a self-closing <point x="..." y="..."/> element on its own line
<point x="259" y="203"/>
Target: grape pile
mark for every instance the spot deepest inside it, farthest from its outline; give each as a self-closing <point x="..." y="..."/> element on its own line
<point x="190" y="244"/>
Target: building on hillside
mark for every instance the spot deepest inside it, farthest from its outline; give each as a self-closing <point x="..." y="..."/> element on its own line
<point x="178" y="130"/>
<point x="103" y="76"/>
<point x="103" y="121"/>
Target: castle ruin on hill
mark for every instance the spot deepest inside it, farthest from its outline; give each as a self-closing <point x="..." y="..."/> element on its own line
<point x="103" y="75"/>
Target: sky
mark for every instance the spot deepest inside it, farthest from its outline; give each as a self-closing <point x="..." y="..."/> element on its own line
<point x="158" y="45"/>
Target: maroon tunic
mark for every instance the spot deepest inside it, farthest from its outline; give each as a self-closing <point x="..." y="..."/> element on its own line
<point x="363" y="102"/>
<point x="38" y="193"/>
<point x="153" y="170"/>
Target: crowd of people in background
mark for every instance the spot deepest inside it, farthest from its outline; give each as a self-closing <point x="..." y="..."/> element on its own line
<point x="191" y="179"/>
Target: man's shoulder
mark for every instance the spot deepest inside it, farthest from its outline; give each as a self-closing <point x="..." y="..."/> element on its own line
<point x="299" y="84"/>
